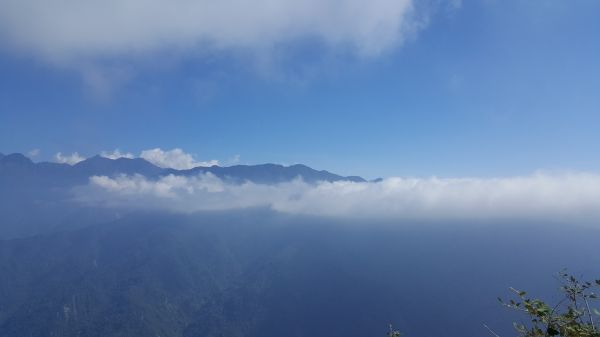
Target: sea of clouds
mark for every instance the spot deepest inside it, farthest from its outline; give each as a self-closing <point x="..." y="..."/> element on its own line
<point x="540" y="196"/>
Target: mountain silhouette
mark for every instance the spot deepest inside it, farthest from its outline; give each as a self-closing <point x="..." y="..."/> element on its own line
<point x="18" y="166"/>
<point x="38" y="197"/>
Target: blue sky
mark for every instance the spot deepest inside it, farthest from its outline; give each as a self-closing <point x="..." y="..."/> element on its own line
<point x="471" y="88"/>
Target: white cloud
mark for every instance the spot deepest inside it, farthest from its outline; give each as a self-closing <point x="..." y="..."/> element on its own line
<point x="72" y="159"/>
<point x="539" y="196"/>
<point x="175" y="158"/>
<point x="66" y="30"/>
<point x="116" y="154"/>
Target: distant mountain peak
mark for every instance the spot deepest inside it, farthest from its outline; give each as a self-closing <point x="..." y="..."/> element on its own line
<point x="95" y="159"/>
<point x="98" y="165"/>
<point x="15" y="159"/>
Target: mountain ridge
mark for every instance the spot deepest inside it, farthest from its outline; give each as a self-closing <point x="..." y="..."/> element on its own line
<point x="267" y="173"/>
<point x="39" y="197"/>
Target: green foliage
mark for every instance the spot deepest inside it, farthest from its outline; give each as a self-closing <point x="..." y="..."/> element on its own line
<point x="570" y="317"/>
<point x="393" y="333"/>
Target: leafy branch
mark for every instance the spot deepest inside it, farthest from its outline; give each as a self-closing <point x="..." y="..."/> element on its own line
<point x="570" y="317"/>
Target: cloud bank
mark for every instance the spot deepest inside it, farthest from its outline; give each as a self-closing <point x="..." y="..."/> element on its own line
<point x="574" y="196"/>
<point x="68" y="29"/>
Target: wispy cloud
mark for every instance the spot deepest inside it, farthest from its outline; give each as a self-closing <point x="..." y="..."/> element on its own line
<point x="539" y="196"/>
<point x="234" y="160"/>
<point x="71" y="159"/>
<point x="176" y="158"/>
<point x="116" y="154"/>
<point x="33" y="153"/>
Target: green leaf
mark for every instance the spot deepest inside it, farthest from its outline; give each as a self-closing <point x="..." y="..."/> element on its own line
<point x="552" y="332"/>
<point x="519" y="327"/>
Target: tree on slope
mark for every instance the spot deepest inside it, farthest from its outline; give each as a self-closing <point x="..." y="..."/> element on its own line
<point x="572" y="316"/>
